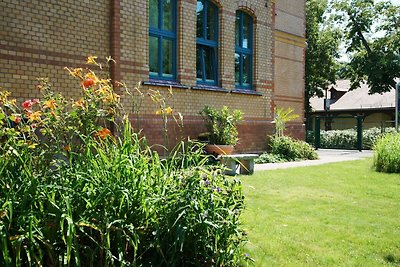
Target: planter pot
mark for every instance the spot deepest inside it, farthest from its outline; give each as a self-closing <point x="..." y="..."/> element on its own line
<point x="219" y="149"/>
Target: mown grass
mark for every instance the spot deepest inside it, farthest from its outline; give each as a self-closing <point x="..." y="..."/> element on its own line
<point x="341" y="214"/>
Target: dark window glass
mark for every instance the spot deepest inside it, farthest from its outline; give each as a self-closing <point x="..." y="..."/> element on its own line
<point x="167" y="19"/>
<point x="209" y="62"/>
<point x="168" y="50"/>
<point x="207" y="42"/>
<point x="243" y="50"/>
<point x="153" y="13"/>
<point x="200" y="14"/>
<point x="237" y="26"/>
<point x="237" y="67"/>
<point x="211" y="22"/>
<point x="199" y="57"/>
<point x="246" y="69"/>
<point x="246" y="31"/>
<point x="162" y="39"/>
<point x="153" y="56"/>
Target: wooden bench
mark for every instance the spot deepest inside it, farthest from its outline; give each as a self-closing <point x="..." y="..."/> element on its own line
<point x="245" y="162"/>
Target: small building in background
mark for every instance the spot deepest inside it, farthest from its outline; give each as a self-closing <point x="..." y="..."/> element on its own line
<point x="378" y="110"/>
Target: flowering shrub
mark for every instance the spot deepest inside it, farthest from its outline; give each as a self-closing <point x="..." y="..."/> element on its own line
<point x="74" y="193"/>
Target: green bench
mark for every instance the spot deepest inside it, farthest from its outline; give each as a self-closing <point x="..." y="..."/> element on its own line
<point x="245" y="162"/>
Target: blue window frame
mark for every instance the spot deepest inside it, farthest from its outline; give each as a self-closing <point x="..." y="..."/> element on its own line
<point x="162" y="39"/>
<point x="207" y="43"/>
<point x="243" y="51"/>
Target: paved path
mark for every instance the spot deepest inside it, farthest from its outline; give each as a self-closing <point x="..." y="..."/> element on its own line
<point x="325" y="156"/>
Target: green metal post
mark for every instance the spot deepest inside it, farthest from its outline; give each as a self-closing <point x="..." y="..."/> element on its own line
<point x="317" y="132"/>
<point x="359" y="132"/>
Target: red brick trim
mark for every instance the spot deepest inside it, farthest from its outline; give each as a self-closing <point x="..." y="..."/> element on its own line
<point x="290" y="59"/>
<point x="62" y="63"/>
<point x="42" y="52"/>
<point x="115" y="41"/>
<point x="273" y="14"/>
<point x="289" y="100"/>
<point x="290" y="13"/>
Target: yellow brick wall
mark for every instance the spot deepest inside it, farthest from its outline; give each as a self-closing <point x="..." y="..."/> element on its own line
<point x="289" y="59"/>
<point x="38" y="38"/>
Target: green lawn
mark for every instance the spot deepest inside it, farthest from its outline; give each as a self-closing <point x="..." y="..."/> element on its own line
<point x="341" y="214"/>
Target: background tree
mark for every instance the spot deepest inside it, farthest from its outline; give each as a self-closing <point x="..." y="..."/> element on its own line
<point x="321" y="52"/>
<point x="372" y="37"/>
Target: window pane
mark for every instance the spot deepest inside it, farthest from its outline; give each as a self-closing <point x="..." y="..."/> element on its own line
<point x="209" y="62"/>
<point x="237" y="68"/>
<point x="168" y="50"/>
<point x="200" y="14"/>
<point x="237" y="25"/>
<point x="153" y="13"/>
<point x="199" y="70"/>
<point x="246" y="31"/>
<point x="246" y="69"/>
<point x="153" y="55"/>
<point x="211" y="22"/>
<point x="167" y="15"/>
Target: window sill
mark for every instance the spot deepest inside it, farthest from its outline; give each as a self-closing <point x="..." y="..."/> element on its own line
<point x="246" y="92"/>
<point x="210" y="88"/>
<point x="165" y="83"/>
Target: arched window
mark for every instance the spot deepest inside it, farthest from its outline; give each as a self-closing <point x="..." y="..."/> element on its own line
<point x="162" y="39"/>
<point x="243" y="50"/>
<point x="207" y="43"/>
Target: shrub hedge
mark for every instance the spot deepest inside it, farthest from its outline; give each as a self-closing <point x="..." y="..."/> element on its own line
<point x="285" y="148"/>
<point x="387" y="153"/>
<point x="347" y="139"/>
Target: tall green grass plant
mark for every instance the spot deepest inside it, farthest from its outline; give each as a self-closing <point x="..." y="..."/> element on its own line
<point x="74" y="194"/>
<point x="387" y="153"/>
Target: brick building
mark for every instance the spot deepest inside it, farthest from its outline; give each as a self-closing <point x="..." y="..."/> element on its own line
<point x="248" y="55"/>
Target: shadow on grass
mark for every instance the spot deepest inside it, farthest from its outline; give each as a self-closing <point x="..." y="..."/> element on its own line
<point x="390" y="258"/>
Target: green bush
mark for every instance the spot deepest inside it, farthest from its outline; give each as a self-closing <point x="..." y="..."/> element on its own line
<point x="347" y="139"/>
<point x="344" y="139"/>
<point x="387" y="153"/>
<point x="269" y="158"/>
<point x="290" y="149"/>
<point x="73" y="194"/>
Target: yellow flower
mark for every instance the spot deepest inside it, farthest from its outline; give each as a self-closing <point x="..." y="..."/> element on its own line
<point x="77" y="72"/>
<point x="168" y="110"/>
<point x="105" y="81"/>
<point x="3" y="96"/>
<point x="67" y="148"/>
<point x="35" y="116"/>
<point x="91" y="60"/>
<point x="79" y="103"/>
<point x="51" y="104"/>
<point x="158" y="112"/>
<point x="31" y="145"/>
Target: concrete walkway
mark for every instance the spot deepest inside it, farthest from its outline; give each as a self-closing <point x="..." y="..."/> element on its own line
<point x="325" y="156"/>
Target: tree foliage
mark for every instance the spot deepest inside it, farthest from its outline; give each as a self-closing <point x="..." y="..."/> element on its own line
<point x="322" y="50"/>
<point x="372" y="36"/>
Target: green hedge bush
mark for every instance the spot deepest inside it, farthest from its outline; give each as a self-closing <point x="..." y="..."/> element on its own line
<point x="72" y="194"/>
<point x="387" y="153"/>
<point x="290" y="149"/>
<point x="347" y="139"/>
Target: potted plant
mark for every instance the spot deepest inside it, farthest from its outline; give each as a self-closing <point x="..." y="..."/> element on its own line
<point x="222" y="129"/>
